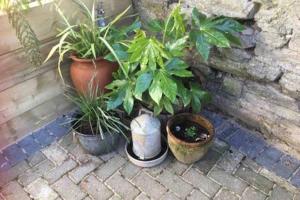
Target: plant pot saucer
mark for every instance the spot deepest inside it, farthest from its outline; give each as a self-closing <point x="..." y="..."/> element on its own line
<point x="148" y="162"/>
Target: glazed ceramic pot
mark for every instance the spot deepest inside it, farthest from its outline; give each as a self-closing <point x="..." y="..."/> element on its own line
<point x="189" y="152"/>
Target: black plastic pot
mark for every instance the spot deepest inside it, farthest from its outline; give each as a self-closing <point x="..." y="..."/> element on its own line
<point x="94" y="145"/>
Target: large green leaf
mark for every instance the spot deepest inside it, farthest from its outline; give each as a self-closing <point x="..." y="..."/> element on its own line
<point x="216" y="38"/>
<point x="197" y="17"/>
<point x="142" y="84"/>
<point x="175" y="64"/>
<point x="128" y="101"/>
<point x="116" y="98"/>
<point x="155" y="90"/>
<point x="155" y="25"/>
<point x="228" y="25"/>
<point x="202" y="46"/>
<point x="168" y="86"/>
<point x="168" y="106"/>
<point x="176" y="47"/>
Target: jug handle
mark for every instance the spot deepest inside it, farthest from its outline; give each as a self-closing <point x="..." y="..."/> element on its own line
<point x="145" y="111"/>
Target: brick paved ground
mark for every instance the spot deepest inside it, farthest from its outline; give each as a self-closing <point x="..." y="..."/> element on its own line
<point x="64" y="171"/>
<point x="247" y="169"/>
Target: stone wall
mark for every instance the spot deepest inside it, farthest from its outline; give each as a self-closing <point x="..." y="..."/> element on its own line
<point x="258" y="83"/>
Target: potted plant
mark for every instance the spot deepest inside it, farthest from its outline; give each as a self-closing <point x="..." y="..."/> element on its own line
<point x="98" y="130"/>
<point x="189" y="136"/>
<point x="158" y="76"/>
<point x="88" y="44"/>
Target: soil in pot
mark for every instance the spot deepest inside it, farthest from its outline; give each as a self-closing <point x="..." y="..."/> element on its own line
<point x="189" y="131"/>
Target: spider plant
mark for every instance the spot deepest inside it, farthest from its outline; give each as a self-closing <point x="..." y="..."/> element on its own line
<point x="92" y="116"/>
<point x="86" y="39"/>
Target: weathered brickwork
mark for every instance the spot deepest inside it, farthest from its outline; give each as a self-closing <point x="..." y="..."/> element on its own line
<point x="259" y="83"/>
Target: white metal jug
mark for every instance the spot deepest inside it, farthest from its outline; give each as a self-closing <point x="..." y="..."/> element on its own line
<point x="146" y="136"/>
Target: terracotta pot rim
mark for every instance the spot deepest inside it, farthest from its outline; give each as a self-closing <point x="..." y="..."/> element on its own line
<point x="189" y="116"/>
<point x="86" y="60"/>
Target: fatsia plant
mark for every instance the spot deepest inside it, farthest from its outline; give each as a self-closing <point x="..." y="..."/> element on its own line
<point x="86" y="39"/>
<point x="155" y="71"/>
<point x="25" y="34"/>
<point x="155" y="76"/>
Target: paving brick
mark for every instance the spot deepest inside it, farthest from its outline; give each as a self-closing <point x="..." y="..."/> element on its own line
<point x="214" y="118"/>
<point x="116" y="197"/>
<point x="226" y="194"/>
<point x="106" y="157"/>
<point x="226" y="131"/>
<point x="36" y="158"/>
<point x="79" y="154"/>
<point x="54" y="174"/>
<point x="82" y="170"/>
<point x="150" y="186"/>
<point x="177" y="167"/>
<point x="208" y="161"/>
<point x="14" y="191"/>
<point x="230" y="160"/>
<point x="130" y="170"/>
<point x="39" y="189"/>
<point x="55" y="153"/>
<point x="155" y="171"/>
<point x="59" y="127"/>
<point x="36" y="172"/>
<point x="143" y="196"/>
<point x="108" y="168"/>
<point x="220" y="146"/>
<point x="175" y="184"/>
<point x="295" y="180"/>
<point x="127" y="191"/>
<point x="255" y="179"/>
<point x="227" y="180"/>
<point x="280" y="193"/>
<point x="169" y="196"/>
<point x="95" y="188"/>
<point x="14" y="154"/>
<point x="67" y="142"/>
<point x="253" y="146"/>
<point x="196" y="195"/>
<point x="4" y="165"/>
<point x="238" y="138"/>
<point x="201" y="182"/>
<point x="13" y="172"/>
<point x="67" y="189"/>
<point x="286" y="166"/>
<point x="269" y="157"/>
<point x="43" y="137"/>
<point x="29" y="145"/>
<point x="252" y="165"/>
<point x="253" y="194"/>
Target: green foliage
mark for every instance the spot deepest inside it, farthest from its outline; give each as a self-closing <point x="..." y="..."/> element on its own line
<point x="208" y="32"/>
<point x="85" y="39"/>
<point x="191" y="131"/>
<point x="93" y="115"/>
<point x="155" y="76"/>
<point x="24" y="32"/>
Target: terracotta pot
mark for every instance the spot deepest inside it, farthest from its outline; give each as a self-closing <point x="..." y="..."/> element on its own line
<point x="187" y="152"/>
<point x="84" y="70"/>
